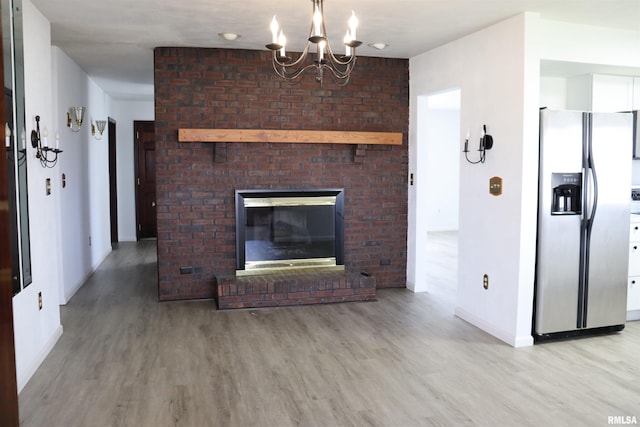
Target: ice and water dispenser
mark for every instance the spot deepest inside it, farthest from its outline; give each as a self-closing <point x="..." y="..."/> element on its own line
<point x="566" y="193"/>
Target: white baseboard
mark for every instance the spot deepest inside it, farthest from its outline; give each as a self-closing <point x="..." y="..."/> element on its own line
<point x="633" y="315"/>
<point x="104" y="256"/>
<point x="64" y="299"/>
<point x="68" y="294"/>
<point x="31" y="369"/>
<point x="512" y="340"/>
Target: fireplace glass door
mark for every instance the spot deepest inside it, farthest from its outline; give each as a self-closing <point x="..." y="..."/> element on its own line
<point x="282" y="230"/>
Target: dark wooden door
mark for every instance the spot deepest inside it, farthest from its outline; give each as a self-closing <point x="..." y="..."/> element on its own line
<point x="8" y="383"/>
<point x="145" y="153"/>
<point x="113" y="182"/>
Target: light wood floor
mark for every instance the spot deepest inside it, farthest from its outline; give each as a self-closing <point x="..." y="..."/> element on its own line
<point x="126" y="360"/>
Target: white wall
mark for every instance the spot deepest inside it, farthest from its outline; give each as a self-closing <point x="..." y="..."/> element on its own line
<point x="497" y="235"/>
<point x="60" y="223"/>
<point x="492" y="236"/>
<point x="98" y="107"/>
<point x="84" y="224"/>
<point x="563" y="41"/>
<point x="36" y="331"/>
<point x="125" y="112"/>
<point x="553" y="92"/>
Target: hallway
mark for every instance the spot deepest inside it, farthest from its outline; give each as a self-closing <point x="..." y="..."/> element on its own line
<point x="405" y="360"/>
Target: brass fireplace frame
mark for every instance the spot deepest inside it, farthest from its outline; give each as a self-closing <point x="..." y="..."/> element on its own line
<point x="275" y="198"/>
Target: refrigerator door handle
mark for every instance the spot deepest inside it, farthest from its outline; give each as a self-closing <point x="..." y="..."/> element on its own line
<point x="592" y="194"/>
<point x="585" y="241"/>
<point x="590" y="169"/>
<point x="590" y="205"/>
<point x="588" y="226"/>
<point x="590" y="176"/>
<point x="594" y="186"/>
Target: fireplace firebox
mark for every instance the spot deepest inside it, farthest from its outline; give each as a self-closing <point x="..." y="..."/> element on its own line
<point x="278" y="230"/>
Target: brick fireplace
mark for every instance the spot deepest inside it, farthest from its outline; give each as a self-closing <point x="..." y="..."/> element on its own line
<point x="197" y="181"/>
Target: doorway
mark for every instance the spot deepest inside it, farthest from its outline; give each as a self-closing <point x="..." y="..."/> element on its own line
<point x="113" y="182"/>
<point x="145" y="172"/>
<point x="438" y="198"/>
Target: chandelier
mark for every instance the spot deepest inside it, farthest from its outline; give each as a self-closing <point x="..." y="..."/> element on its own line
<point x="338" y="67"/>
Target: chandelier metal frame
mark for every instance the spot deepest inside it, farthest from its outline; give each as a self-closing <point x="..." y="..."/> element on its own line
<point x="339" y="68"/>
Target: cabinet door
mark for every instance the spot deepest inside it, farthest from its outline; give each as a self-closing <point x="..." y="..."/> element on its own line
<point x="633" y="294"/>
<point x="579" y="92"/>
<point x="636" y="93"/>
<point x="634" y="232"/>
<point x="612" y="93"/>
<point x="634" y="259"/>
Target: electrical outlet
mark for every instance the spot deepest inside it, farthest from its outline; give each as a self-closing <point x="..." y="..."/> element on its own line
<point x="89" y="240"/>
<point x="485" y="281"/>
<point x="40" y="300"/>
<point x="186" y="270"/>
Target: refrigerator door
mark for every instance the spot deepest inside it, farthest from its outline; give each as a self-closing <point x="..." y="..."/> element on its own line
<point x="558" y="252"/>
<point x="611" y="146"/>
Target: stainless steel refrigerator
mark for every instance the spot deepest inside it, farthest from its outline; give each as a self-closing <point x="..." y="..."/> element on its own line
<point x="583" y="222"/>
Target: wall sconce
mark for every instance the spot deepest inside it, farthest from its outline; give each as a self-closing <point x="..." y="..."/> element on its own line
<point x="486" y="143"/>
<point x="75" y="116"/>
<point x="22" y="152"/>
<point x="7" y="135"/>
<point x="39" y="142"/>
<point x="100" y="124"/>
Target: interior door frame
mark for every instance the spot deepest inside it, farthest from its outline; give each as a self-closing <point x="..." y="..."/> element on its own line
<point x="136" y="150"/>
<point x="9" y="384"/>
<point x="113" y="181"/>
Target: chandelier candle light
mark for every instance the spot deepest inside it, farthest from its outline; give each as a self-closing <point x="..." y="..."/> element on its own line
<point x="339" y="67"/>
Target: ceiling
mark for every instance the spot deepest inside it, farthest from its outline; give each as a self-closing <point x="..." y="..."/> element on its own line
<point x="113" y="40"/>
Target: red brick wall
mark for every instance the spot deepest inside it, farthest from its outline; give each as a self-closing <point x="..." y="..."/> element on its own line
<point x="218" y="88"/>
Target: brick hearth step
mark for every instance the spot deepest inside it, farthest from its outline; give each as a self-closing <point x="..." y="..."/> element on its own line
<point x="299" y="287"/>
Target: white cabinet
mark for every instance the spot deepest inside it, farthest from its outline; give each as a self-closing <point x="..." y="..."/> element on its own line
<point x="634" y="231"/>
<point x="603" y="92"/>
<point x="634" y="259"/>
<point x="633" y="284"/>
<point x="579" y="92"/>
<point x="633" y="296"/>
<point x="612" y="93"/>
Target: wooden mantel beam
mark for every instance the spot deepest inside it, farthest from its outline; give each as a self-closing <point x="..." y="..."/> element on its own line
<point x="289" y="136"/>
